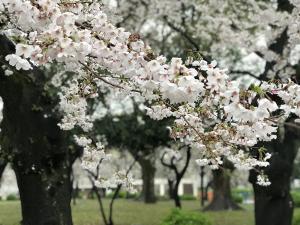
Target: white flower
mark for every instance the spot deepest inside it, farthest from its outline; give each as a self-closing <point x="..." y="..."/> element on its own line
<point x="82" y="141"/>
<point x="137" y="45"/>
<point x="24" y="50"/>
<point x="140" y="120"/>
<point x="8" y="72"/>
<point x="18" y="62"/>
<point x="154" y="67"/>
<point x="267" y="104"/>
<point x="172" y="92"/>
<point x="263" y="180"/>
<point x="202" y="162"/>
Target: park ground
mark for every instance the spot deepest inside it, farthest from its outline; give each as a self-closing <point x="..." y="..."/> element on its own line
<point x="129" y="212"/>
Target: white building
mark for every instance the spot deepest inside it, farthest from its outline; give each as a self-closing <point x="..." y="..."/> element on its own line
<point x="8" y="183"/>
<point x="188" y="186"/>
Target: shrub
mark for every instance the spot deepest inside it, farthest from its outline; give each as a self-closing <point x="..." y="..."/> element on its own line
<point x="91" y="195"/>
<point x="122" y="194"/>
<point x="240" y="194"/>
<point x="179" y="217"/>
<point x="296" y="219"/>
<point x="244" y="192"/>
<point x="12" y="197"/>
<point x="237" y="198"/>
<point x="187" y="197"/>
<point x="80" y="195"/>
<point x="296" y="198"/>
<point x="133" y="195"/>
<point x="111" y="194"/>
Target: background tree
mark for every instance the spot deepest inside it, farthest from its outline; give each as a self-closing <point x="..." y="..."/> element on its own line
<point x="98" y="191"/>
<point x="222" y="198"/>
<point x="231" y="30"/>
<point x="173" y="164"/>
<point x="141" y="136"/>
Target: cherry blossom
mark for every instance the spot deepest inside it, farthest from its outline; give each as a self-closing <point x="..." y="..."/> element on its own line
<point x="18" y="62"/>
<point x="212" y="113"/>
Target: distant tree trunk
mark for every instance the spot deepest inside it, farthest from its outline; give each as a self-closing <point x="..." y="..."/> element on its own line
<point x="222" y="199"/>
<point x="179" y="173"/>
<point x="171" y="188"/>
<point x="35" y="146"/>
<point x="75" y="192"/>
<point x="274" y="204"/>
<point x="176" y="195"/>
<point x="148" y="175"/>
<point x="202" y="194"/>
<point x="2" y="167"/>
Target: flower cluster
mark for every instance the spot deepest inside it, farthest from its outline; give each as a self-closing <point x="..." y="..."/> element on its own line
<point x="74" y="108"/>
<point x="263" y="180"/>
<point x="223" y="30"/>
<point x="18" y="62"/>
<point x="212" y="114"/>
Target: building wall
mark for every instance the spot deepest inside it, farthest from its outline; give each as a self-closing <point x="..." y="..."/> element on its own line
<point x="8" y="183"/>
<point x="188" y="186"/>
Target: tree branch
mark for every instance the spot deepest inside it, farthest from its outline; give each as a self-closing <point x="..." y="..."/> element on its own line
<point x="244" y="73"/>
<point x="117" y="193"/>
<point x="182" y="33"/>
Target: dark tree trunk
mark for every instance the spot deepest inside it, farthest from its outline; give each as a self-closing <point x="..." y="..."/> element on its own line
<point x="171" y="188"/>
<point x="41" y="203"/>
<point x="202" y="194"/>
<point x="222" y="199"/>
<point x="176" y="196"/>
<point x="2" y="167"/>
<point x="148" y="175"/>
<point x="274" y="204"/>
<point x="35" y="146"/>
<point x="272" y="209"/>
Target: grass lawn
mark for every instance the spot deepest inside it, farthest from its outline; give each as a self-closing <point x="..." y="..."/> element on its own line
<point x="128" y="212"/>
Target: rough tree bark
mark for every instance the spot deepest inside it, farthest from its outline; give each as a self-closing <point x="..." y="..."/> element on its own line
<point x="274" y="204"/>
<point x="222" y="199"/>
<point x="35" y="146"/>
<point x="148" y="175"/>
